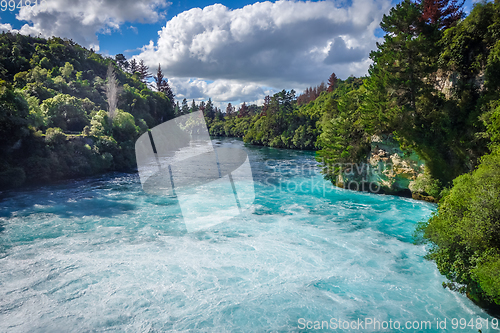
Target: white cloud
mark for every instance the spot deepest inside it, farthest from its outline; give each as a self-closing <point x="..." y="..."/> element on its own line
<point x="286" y="44"/>
<point x="6" y="27"/>
<point x="82" y="20"/>
<point x="222" y="91"/>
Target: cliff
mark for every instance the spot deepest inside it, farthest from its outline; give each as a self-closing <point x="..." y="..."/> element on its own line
<point x="390" y="170"/>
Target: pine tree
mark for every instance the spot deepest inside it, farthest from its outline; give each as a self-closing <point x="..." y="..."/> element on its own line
<point x="143" y="71"/>
<point x="194" y="107"/>
<point x="229" y="110"/>
<point x="159" y="80"/>
<point x="402" y="61"/>
<point x="443" y="13"/>
<point x="209" y="109"/>
<point x="161" y="85"/>
<point x="122" y="61"/>
<point x="265" y="106"/>
<point x="177" y="109"/>
<point x="243" y="111"/>
<point x="133" y="67"/>
<point x="218" y="114"/>
<point x="332" y="81"/>
<point x="184" y="107"/>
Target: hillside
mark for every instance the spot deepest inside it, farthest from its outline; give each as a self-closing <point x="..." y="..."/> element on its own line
<point x="53" y="118"/>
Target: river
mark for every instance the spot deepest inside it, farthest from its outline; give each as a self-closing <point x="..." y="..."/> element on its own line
<point x="100" y="255"/>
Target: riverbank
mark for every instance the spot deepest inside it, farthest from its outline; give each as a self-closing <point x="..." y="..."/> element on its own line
<point x="100" y="254"/>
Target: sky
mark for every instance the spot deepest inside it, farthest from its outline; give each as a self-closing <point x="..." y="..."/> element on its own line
<point x="229" y="51"/>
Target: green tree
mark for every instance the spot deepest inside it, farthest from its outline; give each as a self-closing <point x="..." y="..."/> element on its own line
<point x="67" y="70"/>
<point x="194" y="107"/>
<point x="209" y="110"/>
<point x="122" y="61"/>
<point x="100" y="124"/>
<point x="124" y="128"/>
<point x="13" y="113"/>
<point x="465" y="233"/>
<point x="184" y="107"/>
<point x="67" y="112"/>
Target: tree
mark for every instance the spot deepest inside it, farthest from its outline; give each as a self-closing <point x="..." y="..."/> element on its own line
<point x="143" y="71"/>
<point x="67" y="70"/>
<point x="218" y="114"/>
<point x="133" y="67"/>
<point x="202" y="107"/>
<point x="112" y="91"/>
<point x="100" y="124"/>
<point x="194" y="107"/>
<point x="209" y="109"/>
<point x="265" y="106"/>
<point x="67" y="112"/>
<point x="229" y="110"/>
<point x="332" y="81"/>
<point x="443" y="13"/>
<point x="465" y="233"/>
<point x="124" y="128"/>
<point x="243" y="111"/>
<point x="159" y="80"/>
<point x="177" y="109"/>
<point x="162" y="86"/>
<point x="184" y="107"/>
<point x="122" y="61"/>
<point x="13" y="113"/>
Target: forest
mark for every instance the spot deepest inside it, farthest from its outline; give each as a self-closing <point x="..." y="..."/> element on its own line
<point x="434" y="85"/>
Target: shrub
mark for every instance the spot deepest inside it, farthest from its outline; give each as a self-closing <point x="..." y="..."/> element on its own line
<point x="465" y="232"/>
<point x="54" y="136"/>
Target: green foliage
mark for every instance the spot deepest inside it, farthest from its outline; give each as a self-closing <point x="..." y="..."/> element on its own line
<point x="54" y="136"/>
<point x="59" y="84"/>
<point x="13" y="113"/>
<point x="36" y="116"/>
<point x="343" y="138"/>
<point x="67" y="112"/>
<point x="124" y="127"/>
<point x="100" y="124"/>
<point x="466" y="230"/>
<point x="426" y="185"/>
<point x="45" y="63"/>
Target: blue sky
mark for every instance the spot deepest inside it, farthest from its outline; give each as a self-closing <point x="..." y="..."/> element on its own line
<point x="231" y="51"/>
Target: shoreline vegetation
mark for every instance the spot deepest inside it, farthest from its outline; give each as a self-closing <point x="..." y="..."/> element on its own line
<point x="426" y="118"/>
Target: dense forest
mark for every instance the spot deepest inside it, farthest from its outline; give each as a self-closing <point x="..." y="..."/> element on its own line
<point x="69" y="112"/>
<point x="434" y="85"/>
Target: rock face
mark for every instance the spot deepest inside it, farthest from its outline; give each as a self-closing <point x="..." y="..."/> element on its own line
<point x="445" y="82"/>
<point x="388" y="170"/>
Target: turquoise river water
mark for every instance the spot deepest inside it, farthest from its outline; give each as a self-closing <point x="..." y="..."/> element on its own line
<point x="100" y="255"/>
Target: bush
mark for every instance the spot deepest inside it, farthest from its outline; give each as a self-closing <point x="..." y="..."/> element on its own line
<point x="465" y="232"/>
<point x="100" y="124"/>
<point x="54" y="136"/>
<point x="124" y="127"/>
<point x="426" y="185"/>
<point x="67" y="112"/>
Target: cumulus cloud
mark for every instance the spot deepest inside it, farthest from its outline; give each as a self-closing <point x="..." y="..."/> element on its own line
<point x="222" y="91"/>
<point x="82" y="20"/>
<point x="286" y="44"/>
<point x="6" y="27"/>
